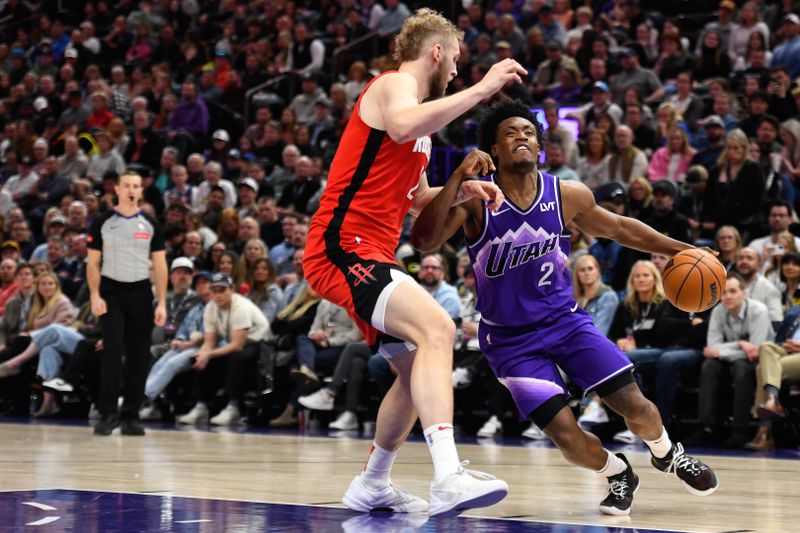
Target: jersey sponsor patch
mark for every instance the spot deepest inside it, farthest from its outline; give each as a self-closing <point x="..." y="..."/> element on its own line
<point x="142" y="235"/>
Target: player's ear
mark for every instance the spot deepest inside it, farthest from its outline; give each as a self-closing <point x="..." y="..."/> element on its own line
<point x="437" y="52"/>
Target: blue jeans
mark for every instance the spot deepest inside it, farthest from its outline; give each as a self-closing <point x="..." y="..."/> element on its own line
<point x="666" y="365"/>
<point x="673" y="362"/>
<point x="54" y="342"/>
<point x="166" y="368"/>
<point x="312" y="354"/>
<point x="381" y="372"/>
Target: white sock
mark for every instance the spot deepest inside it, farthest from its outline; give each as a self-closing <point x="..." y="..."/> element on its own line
<point x="614" y="465"/>
<point x="443" y="450"/>
<point x="378" y="466"/>
<point x="661" y="446"/>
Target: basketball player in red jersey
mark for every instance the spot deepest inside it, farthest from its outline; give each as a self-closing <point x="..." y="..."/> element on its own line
<point x="376" y="178"/>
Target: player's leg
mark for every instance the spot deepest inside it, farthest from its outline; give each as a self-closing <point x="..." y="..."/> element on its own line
<point x="584" y="449"/>
<point x="413" y="315"/>
<point x="372" y="488"/>
<point x="642" y="417"/>
<point x="597" y="365"/>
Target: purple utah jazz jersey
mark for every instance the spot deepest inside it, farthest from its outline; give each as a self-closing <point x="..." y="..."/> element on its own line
<point x="520" y="260"/>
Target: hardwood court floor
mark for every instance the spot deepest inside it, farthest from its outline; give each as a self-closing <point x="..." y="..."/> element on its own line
<point x="756" y="493"/>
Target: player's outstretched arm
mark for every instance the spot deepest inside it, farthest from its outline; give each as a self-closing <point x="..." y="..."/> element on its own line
<point x="455" y="203"/>
<point x="405" y="119"/>
<point x="579" y="205"/>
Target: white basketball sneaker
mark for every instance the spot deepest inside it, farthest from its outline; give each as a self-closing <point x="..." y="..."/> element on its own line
<point x="363" y="498"/>
<point x="463" y="490"/>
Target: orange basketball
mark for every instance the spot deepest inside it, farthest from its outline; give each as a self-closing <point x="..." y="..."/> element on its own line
<point x="694" y="280"/>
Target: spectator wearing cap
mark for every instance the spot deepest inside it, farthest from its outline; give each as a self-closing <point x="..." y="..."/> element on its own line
<point x="633" y="76"/>
<point x="555" y="129"/>
<point x="714" y="140"/>
<point x="77" y="112"/>
<point x="303" y="103"/>
<point x="21" y="184"/>
<point x="19" y="65"/>
<point x="220" y="145"/>
<point x="547" y="74"/>
<point x="601" y="102"/>
<point x="107" y="159"/>
<point x="556" y="160"/>
<point x="181" y="350"/>
<point x="247" y="189"/>
<point x="191" y="115"/>
<point x="508" y="31"/>
<point x="296" y="194"/>
<point x="549" y="26"/>
<point x="673" y="160"/>
<point x="100" y="115"/>
<point x="234" y="163"/>
<point x="322" y="128"/>
<point x="666" y="219"/>
<point x="180" y="299"/>
<point x="10" y="250"/>
<point x="233" y="328"/>
<point x="788" y="52"/>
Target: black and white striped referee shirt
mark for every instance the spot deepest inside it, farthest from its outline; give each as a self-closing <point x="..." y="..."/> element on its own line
<point x="126" y="244"/>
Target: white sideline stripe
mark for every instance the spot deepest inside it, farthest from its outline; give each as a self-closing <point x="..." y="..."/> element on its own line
<point x="42" y="506"/>
<point x="44" y="521"/>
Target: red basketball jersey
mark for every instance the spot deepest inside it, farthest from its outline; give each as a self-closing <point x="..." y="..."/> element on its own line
<point x="371" y="186"/>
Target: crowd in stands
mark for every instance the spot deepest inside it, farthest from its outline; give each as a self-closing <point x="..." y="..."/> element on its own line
<point x="231" y="112"/>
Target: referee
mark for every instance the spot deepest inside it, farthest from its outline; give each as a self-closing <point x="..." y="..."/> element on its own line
<point x="122" y="243"/>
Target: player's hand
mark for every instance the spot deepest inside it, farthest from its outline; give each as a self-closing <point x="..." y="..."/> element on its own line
<point x="160" y="317"/>
<point x="501" y="73"/>
<point x="485" y="190"/>
<point x="98" y="306"/>
<point x="708" y="250"/>
<point x="476" y="163"/>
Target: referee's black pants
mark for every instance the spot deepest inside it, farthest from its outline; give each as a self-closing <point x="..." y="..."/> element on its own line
<point x="126" y="329"/>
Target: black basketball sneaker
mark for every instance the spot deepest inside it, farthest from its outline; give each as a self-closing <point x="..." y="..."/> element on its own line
<point x="619" y="495"/>
<point x="697" y="476"/>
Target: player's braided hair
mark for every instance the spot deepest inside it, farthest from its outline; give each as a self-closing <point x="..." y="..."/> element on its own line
<point x="497" y="113"/>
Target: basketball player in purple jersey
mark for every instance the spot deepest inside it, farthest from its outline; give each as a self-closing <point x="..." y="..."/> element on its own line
<point x="530" y="321"/>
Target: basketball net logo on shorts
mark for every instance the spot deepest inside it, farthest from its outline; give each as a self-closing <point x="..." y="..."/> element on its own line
<point x="361" y="273"/>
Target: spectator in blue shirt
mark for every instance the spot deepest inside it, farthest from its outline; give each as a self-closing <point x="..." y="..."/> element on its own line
<point x="788" y="52"/>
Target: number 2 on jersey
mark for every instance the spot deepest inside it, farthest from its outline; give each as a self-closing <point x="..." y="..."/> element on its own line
<point x="547" y="271"/>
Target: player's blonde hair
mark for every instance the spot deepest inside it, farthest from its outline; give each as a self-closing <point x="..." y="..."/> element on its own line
<point x="420" y="27"/>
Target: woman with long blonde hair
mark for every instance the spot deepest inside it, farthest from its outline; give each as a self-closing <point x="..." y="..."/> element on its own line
<point x="728" y="242"/>
<point x="736" y="187"/>
<point x="592" y="295"/>
<point x="673" y="160"/>
<point x="49" y="306"/>
<point x="254" y="249"/>
<point x="264" y="289"/>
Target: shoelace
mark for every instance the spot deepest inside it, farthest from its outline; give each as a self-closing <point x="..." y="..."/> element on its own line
<point x="682" y="461"/>
<point x="618" y="488"/>
<point x="405" y="497"/>
<point x="475" y="473"/>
